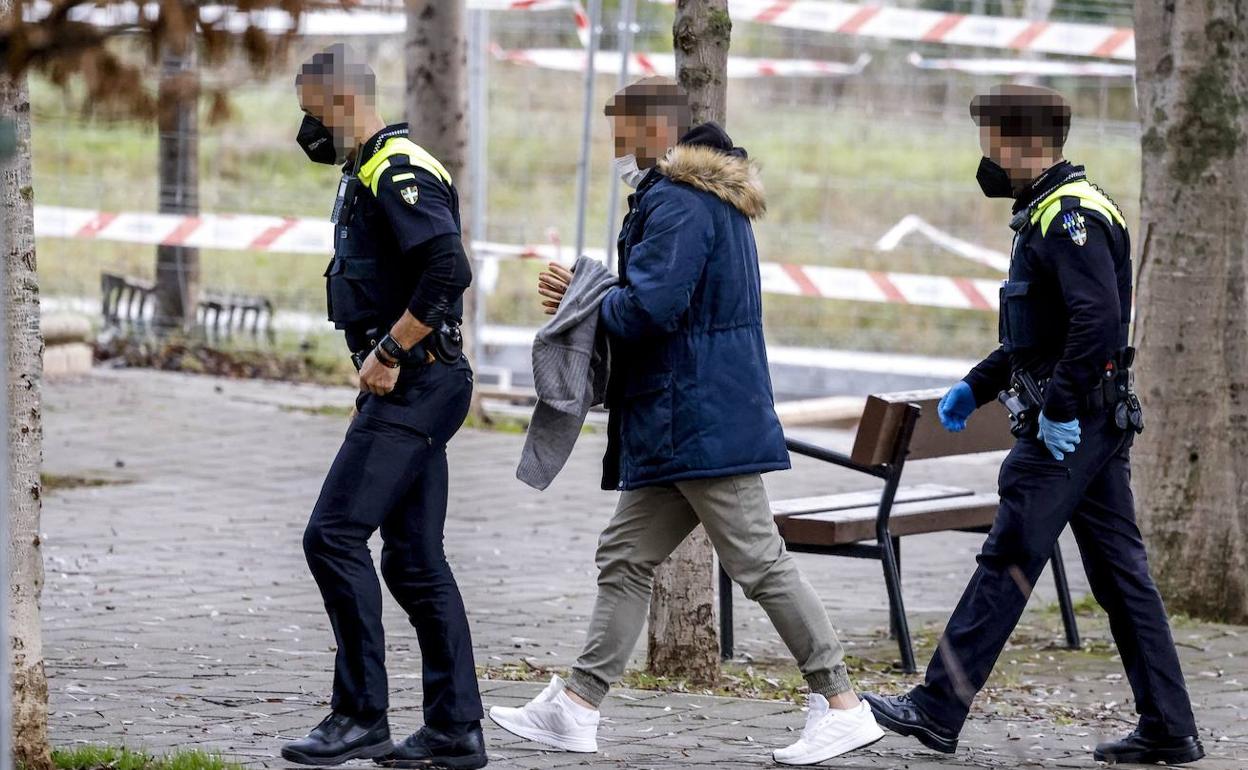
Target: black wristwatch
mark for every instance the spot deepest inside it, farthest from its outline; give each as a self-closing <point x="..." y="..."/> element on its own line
<point x="391" y="347"/>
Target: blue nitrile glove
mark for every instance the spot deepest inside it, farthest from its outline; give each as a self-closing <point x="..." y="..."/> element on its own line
<point x="1059" y="437"/>
<point x="955" y="406"/>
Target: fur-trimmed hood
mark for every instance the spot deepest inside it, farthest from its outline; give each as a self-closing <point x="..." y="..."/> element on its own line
<point x="706" y="160"/>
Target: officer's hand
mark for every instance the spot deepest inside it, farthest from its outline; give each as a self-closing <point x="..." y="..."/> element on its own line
<point x="955" y="407"/>
<point x="354" y="411"/>
<point x="1059" y="437"/>
<point x="376" y="377"/>
<point x="553" y="284"/>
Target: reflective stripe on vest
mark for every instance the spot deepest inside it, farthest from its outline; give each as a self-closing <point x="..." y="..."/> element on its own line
<point x="371" y="172"/>
<point x="1089" y="198"/>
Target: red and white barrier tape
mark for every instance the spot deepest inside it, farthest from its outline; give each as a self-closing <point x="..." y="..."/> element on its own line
<point x="817" y="15"/>
<point x="315" y="236"/>
<point x="913" y="223"/>
<point x="878" y="286"/>
<point x="1042" y="67"/>
<point x="364" y="19"/>
<point x="939" y="27"/>
<point x="644" y="64"/>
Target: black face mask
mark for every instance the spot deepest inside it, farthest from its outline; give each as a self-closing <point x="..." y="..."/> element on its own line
<point x="993" y="179"/>
<point x="317" y="141"/>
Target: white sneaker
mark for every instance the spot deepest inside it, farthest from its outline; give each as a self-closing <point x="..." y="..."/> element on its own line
<point x="554" y="719"/>
<point x="830" y="733"/>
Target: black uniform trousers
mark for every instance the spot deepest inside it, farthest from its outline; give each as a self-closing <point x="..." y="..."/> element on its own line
<point x="1090" y="489"/>
<point x="391" y="472"/>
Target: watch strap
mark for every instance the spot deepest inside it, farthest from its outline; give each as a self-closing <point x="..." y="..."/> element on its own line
<point x="391" y="347"/>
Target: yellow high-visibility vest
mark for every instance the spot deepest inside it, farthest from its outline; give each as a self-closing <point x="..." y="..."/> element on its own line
<point x="1089" y="197"/>
<point x="371" y="172"/>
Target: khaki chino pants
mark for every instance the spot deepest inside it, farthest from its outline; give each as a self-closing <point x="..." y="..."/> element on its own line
<point x="648" y="525"/>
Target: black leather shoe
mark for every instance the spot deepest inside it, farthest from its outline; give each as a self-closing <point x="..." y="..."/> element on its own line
<point x="429" y="748"/>
<point x="1142" y="750"/>
<point x="903" y="716"/>
<point x="339" y="738"/>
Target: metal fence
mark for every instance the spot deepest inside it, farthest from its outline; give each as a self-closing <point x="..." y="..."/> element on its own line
<point x="869" y="173"/>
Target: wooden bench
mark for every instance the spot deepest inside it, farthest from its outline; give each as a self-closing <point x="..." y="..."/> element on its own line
<point x="895" y="428"/>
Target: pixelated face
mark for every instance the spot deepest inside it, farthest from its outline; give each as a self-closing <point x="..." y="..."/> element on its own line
<point x="332" y="105"/>
<point x="337" y="88"/>
<point x="1022" y="128"/>
<point x="1015" y="154"/>
<point x="647" y="136"/>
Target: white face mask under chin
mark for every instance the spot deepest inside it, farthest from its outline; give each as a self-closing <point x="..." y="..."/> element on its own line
<point x="628" y="171"/>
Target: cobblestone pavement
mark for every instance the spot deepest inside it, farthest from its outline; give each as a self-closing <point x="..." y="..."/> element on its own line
<point x="180" y="613"/>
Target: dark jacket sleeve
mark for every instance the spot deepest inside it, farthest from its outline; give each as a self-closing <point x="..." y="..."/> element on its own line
<point x="664" y="266"/>
<point x="989" y="377"/>
<point x="419" y="206"/>
<point x="444" y="276"/>
<point x="1089" y="289"/>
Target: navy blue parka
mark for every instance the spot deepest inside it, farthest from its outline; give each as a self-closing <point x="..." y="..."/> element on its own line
<point x="690" y="393"/>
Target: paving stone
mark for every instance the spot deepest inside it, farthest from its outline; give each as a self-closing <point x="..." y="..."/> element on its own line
<point x="179" y="611"/>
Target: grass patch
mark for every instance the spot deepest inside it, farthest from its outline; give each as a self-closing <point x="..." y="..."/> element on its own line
<point x="758" y="681"/>
<point x="837" y="178"/>
<point x="307" y="359"/>
<point x="324" y="410"/>
<point x="498" y="423"/>
<point x="1085" y="607"/>
<point x="53" y="482"/>
<point x="97" y="757"/>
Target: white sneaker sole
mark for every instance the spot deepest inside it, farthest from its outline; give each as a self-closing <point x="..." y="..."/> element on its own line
<point x="859" y="740"/>
<point x="554" y="740"/>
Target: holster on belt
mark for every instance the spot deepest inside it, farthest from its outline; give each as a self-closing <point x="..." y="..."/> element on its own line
<point x="1023" y="401"/>
<point x="1115" y="391"/>
<point x="445" y="344"/>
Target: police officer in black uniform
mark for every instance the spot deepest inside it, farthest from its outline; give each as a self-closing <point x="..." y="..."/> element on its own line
<point x="1064" y="372"/>
<point x="395" y="288"/>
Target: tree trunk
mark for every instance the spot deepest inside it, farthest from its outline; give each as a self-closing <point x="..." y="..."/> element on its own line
<point x="437" y="112"/>
<point x="177" y="267"/>
<point x="24" y="369"/>
<point x="1192" y="322"/>
<point x="682" y="635"/>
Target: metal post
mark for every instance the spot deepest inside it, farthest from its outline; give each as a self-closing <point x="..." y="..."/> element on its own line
<point x="625" y="36"/>
<point x="582" y="185"/>
<point x="478" y="136"/>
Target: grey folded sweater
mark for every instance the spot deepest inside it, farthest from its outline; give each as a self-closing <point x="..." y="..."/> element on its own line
<point x="570" y="366"/>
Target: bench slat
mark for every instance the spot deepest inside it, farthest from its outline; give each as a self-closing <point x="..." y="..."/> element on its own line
<point x="818" y="503"/>
<point x="858" y="524"/>
<point x="986" y="431"/>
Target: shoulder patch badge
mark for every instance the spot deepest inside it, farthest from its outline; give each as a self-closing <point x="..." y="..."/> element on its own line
<point x="410" y="194"/>
<point x="1075" y="226"/>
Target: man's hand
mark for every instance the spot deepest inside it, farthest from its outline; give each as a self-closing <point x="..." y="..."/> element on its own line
<point x="552" y="285"/>
<point x="376" y="377"/>
<point x="1060" y="437"/>
<point x="956" y="407"/>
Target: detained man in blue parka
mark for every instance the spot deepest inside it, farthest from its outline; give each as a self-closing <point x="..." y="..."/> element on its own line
<point x="692" y="423"/>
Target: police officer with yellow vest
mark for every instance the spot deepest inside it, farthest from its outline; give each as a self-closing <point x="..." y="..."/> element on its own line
<point x="395" y="288"/>
<point x="1064" y="372"/>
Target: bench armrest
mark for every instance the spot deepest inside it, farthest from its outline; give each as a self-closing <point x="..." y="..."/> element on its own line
<point x="813" y="451"/>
